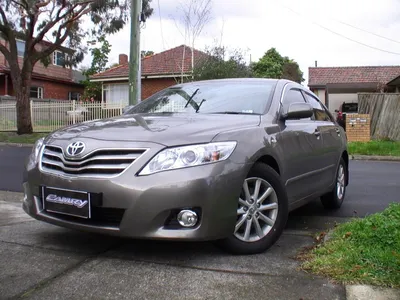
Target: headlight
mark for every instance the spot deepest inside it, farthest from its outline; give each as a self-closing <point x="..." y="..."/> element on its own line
<point x="36" y="150"/>
<point x="188" y="156"/>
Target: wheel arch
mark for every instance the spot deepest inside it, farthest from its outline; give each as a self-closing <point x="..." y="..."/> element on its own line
<point x="270" y="161"/>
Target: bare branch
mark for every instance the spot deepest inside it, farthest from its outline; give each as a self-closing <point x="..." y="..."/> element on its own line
<point x="3" y="16"/>
<point x="60" y="17"/>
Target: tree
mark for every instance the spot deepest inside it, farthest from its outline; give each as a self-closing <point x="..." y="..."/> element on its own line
<point x="49" y="25"/>
<point x="273" y="65"/>
<point x="220" y="63"/>
<point x="99" y="63"/>
<point x="145" y="53"/>
<point x="196" y="14"/>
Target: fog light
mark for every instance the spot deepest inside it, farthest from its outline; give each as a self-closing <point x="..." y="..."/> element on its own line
<point x="187" y="218"/>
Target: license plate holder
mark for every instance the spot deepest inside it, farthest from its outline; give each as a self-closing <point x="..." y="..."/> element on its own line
<point x="66" y="202"/>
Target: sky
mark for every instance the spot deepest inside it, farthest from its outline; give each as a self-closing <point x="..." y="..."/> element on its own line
<point x="304" y="30"/>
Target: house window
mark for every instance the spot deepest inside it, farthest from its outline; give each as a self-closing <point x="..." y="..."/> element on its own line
<point x="21" y="48"/>
<point x="58" y="58"/>
<point x="36" y="92"/>
<point x="74" y="96"/>
<point x="116" y="93"/>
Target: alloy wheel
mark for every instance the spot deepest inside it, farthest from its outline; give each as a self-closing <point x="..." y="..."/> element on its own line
<point x="257" y="210"/>
<point x="340" y="185"/>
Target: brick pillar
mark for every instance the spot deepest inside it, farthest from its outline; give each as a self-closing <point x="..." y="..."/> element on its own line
<point x="358" y="127"/>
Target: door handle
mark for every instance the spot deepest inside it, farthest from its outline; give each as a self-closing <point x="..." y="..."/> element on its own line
<point x="317" y="133"/>
<point x="337" y="131"/>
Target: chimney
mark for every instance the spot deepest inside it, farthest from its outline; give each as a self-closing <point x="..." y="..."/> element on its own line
<point x="316" y="64"/>
<point x="123" y="59"/>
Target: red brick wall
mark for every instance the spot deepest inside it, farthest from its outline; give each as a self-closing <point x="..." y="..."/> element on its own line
<point x="51" y="90"/>
<point x="55" y="90"/>
<point x="152" y="86"/>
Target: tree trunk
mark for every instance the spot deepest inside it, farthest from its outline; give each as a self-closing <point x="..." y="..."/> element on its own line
<point x="22" y="93"/>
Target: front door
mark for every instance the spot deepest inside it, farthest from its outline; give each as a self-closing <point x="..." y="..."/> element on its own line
<point x="300" y="144"/>
<point x="331" y="140"/>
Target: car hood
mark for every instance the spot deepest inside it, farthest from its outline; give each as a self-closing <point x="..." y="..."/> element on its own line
<point x="165" y="129"/>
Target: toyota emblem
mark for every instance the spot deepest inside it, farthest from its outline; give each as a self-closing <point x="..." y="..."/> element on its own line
<point x="75" y="148"/>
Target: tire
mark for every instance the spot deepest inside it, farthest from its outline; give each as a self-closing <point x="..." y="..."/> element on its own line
<point x="334" y="199"/>
<point x="274" y="207"/>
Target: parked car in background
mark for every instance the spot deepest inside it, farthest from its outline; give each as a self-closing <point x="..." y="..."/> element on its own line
<point x="345" y="108"/>
<point x="219" y="160"/>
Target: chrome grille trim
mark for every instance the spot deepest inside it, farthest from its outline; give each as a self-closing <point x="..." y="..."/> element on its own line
<point x="100" y="163"/>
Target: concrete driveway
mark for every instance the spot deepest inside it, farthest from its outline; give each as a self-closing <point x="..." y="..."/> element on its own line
<point x="41" y="261"/>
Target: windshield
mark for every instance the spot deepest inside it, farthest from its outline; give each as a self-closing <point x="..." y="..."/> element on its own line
<point x="216" y="97"/>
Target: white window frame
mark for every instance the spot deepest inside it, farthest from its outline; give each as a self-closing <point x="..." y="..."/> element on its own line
<point x="107" y="88"/>
<point x="55" y="57"/>
<point x="70" y="94"/>
<point x="40" y="91"/>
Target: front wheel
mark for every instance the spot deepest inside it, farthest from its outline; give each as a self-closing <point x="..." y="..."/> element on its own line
<point x="261" y="213"/>
<point x="334" y="199"/>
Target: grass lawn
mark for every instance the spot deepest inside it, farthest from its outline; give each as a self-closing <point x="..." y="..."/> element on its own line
<point x="363" y="251"/>
<point x="12" y="137"/>
<point x="381" y="148"/>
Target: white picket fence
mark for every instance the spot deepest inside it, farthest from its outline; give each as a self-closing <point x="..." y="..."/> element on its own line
<point x="52" y="115"/>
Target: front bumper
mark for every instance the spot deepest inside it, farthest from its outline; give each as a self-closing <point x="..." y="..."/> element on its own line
<point x="142" y="206"/>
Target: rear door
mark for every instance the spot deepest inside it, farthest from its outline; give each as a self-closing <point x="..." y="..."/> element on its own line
<point x="300" y="145"/>
<point x="331" y="139"/>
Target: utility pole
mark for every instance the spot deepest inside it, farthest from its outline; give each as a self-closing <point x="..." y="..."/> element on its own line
<point x="135" y="57"/>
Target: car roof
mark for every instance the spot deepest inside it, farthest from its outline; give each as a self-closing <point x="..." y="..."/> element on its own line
<point x="234" y="80"/>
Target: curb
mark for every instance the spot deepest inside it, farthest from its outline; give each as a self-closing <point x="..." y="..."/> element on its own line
<point x="368" y="292"/>
<point x="16" y="144"/>
<point x="375" y="158"/>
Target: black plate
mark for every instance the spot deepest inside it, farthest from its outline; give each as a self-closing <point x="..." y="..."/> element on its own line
<point x="66" y="202"/>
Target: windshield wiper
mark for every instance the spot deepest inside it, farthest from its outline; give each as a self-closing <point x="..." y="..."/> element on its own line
<point x="190" y="99"/>
<point x="233" y="113"/>
<point x="198" y="107"/>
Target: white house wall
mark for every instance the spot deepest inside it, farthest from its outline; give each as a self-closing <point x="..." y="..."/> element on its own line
<point x="320" y="94"/>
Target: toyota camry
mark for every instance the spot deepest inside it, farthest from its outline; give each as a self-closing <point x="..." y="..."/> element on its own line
<point x="218" y="160"/>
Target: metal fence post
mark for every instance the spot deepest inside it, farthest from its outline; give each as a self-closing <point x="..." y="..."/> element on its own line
<point x="73" y="112"/>
<point x="32" y="115"/>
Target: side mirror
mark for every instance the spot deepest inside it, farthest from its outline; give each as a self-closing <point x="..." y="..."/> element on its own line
<point x="300" y="110"/>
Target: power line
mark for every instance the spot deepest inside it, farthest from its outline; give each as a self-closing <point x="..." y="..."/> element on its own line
<point x="372" y="33"/>
<point x="339" y="34"/>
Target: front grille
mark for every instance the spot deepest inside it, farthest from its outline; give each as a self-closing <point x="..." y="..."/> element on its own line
<point x="100" y="163"/>
<point x="100" y="216"/>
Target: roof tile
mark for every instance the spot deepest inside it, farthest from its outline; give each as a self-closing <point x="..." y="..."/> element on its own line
<point x="163" y="63"/>
<point x="362" y="74"/>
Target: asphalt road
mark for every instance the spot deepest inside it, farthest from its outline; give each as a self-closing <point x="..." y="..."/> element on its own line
<point x="373" y="185"/>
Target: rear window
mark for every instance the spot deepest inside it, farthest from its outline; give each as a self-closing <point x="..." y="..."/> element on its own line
<point x="350" y="107"/>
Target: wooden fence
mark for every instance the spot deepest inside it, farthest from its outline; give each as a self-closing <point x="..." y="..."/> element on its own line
<point x="384" y="110"/>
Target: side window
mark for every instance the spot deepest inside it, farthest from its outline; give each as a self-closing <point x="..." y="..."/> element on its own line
<point x="292" y="96"/>
<point x="320" y="113"/>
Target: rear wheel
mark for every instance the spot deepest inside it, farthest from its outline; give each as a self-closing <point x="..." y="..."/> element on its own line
<point x="334" y="199"/>
<point x="261" y="213"/>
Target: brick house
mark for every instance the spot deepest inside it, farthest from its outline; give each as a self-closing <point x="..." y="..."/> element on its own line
<point x="335" y="85"/>
<point x="159" y="71"/>
<point x="53" y="82"/>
